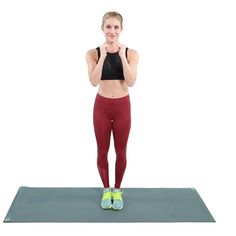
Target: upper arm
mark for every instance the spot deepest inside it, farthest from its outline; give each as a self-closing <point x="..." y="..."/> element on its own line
<point x="133" y="59"/>
<point x="91" y="59"/>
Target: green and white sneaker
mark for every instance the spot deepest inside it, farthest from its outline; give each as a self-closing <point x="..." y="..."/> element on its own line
<point x="106" y="202"/>
<point x="117" y="200"/>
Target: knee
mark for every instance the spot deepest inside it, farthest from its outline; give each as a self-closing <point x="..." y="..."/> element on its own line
<point x="121" y="156"/>
<point x="102" y="159"/>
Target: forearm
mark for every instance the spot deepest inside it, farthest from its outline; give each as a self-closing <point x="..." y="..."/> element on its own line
<point x="95" y="76"/>
<point x="129" y="74"/>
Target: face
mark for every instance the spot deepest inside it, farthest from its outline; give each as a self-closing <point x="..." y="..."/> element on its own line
<point x="112" y="30"/>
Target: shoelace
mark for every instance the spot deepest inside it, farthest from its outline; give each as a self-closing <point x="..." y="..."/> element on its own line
<point x="117" y="195"/>
<point x="107" y="195"/>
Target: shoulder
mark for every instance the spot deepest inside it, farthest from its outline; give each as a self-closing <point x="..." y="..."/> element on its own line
<point x="132" y="54"/>
<point x="92" y="54"/>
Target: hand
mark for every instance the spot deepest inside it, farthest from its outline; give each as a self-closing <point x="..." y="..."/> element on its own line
<point x="122" y="48"/>
<point x="103" y="49"/>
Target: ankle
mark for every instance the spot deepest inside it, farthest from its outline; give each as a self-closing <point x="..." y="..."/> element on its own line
<point x="116" y="190"/>
<point x="107" y="190"/>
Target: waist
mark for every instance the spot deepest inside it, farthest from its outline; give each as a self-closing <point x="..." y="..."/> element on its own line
<point x="101" y="98"/>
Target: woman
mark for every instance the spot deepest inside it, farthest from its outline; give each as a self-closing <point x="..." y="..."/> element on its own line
<point x="113" y="67"/>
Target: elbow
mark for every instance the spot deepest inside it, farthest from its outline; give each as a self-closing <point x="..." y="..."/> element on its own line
<point x="93" y="83"/>
<point x="131" y="82"/>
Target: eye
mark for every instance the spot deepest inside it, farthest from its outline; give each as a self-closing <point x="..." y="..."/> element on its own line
<point x="108" y="26"/>
<point x="117" y="27"/>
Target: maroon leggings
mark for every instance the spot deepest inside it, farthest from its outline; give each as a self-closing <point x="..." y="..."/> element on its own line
<point x="111" y="115"/>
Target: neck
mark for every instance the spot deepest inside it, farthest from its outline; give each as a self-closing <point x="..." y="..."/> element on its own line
<point x="112" y="47"/>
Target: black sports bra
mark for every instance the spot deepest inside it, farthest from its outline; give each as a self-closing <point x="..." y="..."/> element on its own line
<point x="112" y="66"/>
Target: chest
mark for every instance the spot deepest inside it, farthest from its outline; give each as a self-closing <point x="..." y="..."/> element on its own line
<point x="112" y="67"/>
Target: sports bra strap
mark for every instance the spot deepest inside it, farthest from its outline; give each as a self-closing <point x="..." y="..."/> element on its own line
<point x="99" y="53"/>
<point x="126" y="52"/>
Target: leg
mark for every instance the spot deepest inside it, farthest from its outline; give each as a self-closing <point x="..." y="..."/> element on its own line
<point x="102" y="128"/>
<point x="121" y="128"/>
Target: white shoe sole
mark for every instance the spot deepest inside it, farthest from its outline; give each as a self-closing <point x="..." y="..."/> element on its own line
<point x="106" y="208"/>
<point x="118" y="209"/>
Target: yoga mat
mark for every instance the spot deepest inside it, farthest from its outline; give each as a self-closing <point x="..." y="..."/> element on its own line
<point x="83" y="205"/>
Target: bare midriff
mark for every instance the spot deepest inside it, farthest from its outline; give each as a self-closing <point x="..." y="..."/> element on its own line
<point x="113" y="88"/>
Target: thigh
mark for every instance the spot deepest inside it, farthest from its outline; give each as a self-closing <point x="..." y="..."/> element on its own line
<point x="121" y="127"/>
<point x="102" y="127"/>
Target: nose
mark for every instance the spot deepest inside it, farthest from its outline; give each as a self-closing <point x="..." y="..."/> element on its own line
<point x="112" y="30"/>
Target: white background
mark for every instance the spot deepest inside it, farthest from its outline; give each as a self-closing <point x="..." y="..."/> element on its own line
<point x="183" y="105"/>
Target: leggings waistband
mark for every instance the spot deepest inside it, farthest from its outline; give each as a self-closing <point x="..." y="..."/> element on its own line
<point x="112" y="100"/>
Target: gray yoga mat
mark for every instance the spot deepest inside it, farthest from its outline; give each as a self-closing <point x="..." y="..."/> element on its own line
<point x="83" y="205"/>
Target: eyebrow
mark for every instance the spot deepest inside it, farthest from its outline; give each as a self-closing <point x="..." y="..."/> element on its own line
<point x="114" y="25"/>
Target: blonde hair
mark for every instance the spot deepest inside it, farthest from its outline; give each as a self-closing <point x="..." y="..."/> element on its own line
<point x="114" y="14"/>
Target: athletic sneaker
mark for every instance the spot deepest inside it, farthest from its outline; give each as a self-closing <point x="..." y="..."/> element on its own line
<point x="117" y="200"/>
<point x="106" y="199"/>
